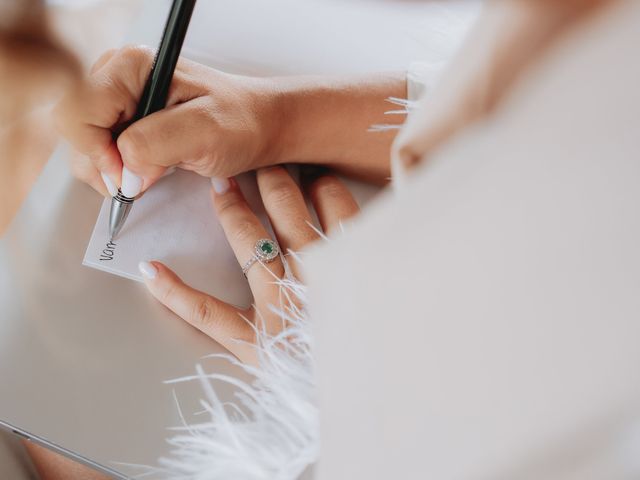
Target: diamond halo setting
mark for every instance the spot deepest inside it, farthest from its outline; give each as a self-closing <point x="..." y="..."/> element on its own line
<point x="264" y="251"/>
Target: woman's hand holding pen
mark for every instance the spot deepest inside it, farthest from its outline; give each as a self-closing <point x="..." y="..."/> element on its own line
<point x="219" y="125"/>
<point x="217" y="134"/>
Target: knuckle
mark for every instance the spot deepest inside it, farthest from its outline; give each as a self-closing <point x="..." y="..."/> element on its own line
<point x="329" y="187"/>
<point x="136" y="52"/>
<point x="104" y="58"/>
<point x="133" y="64"/>
<point x="203" y="312"/>
<point x="245" y="230"/>
<point x="167" y="294"/>
<point x="228" y="205"/>
<point x="281" y="194"/>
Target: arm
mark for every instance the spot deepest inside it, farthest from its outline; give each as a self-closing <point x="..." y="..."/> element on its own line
<point x="327" y="120"/>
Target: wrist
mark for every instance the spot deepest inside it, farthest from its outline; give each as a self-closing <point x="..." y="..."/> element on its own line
<point x="286" y="119"/>
<point x="289" y="125"/>
<point x="278" y="126"/>
<point x="326" y="120"/>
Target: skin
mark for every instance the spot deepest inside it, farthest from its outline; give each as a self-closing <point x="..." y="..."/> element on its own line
<point x="291" y="221"/>
<point x="51" y="466"/>
<point x="212" y="117"/>
<point x="27" y="50"/>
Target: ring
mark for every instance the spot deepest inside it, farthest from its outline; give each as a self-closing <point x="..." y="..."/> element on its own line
<point x="264" y="251"/>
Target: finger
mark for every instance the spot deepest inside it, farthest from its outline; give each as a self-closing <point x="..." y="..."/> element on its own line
<point x="332" y="201"/>
<point x="100" y="150"/>
<point x="95" y="181"/>
<point x="219" y="320"/>
<point x="175" y="135"/>
<point x="111" y="166"/>
<point x="102" y="60"/>
<point x="286" y="208"/>
<point x="109" y="97"/>
<point x="243" y="229"/>
<point x="83" y="170"/>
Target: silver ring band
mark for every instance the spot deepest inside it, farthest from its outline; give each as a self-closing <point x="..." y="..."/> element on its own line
<point x="264" y="251"/>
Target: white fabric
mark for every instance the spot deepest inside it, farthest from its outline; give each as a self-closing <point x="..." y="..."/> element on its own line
<point x="325" y="36"/>
<point x="483" y="322"/>
<point x="421" y="78"/>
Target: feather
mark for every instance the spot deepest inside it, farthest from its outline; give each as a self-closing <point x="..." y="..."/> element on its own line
<point x="278" y="436"/>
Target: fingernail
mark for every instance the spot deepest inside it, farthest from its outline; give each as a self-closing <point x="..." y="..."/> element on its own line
<point x="131" y="184"/>
<point x="113" y="190"/>
<point x="220" y="185"/>
<point x="147" y="270"/>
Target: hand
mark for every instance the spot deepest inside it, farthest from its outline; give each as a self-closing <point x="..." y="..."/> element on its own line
<point x="220" y="125"/>
<point x="215" y="124"/>
<point x="291" y="221"/>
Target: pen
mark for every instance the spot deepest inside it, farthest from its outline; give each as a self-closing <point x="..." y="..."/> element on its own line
<point x="156" y="90"/>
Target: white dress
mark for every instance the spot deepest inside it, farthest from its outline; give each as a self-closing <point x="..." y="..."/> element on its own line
<point x="483" y="320"/>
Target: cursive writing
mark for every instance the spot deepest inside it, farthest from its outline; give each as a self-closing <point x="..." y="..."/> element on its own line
<point x="108" y="252"/>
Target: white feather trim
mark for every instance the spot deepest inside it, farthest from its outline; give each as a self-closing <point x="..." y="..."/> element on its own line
<point x="278" y="437"/>
<point x="407" y="107"/>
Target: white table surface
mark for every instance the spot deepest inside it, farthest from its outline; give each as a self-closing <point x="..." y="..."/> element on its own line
<point x="42" y="281"/>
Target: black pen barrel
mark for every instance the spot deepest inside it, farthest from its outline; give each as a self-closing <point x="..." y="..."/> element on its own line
<point x="156" y="90"/>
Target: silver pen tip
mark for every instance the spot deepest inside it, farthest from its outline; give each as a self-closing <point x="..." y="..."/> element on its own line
<point x="120" y="207"/>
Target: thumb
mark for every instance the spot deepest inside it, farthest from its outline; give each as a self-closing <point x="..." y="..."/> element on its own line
<point x="167" y="138"/>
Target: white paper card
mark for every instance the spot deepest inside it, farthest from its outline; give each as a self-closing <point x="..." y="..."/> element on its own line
<point x="174" y="223"/>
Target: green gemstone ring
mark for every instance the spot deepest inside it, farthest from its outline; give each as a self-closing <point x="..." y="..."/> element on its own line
<point x="265" y="251"/>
